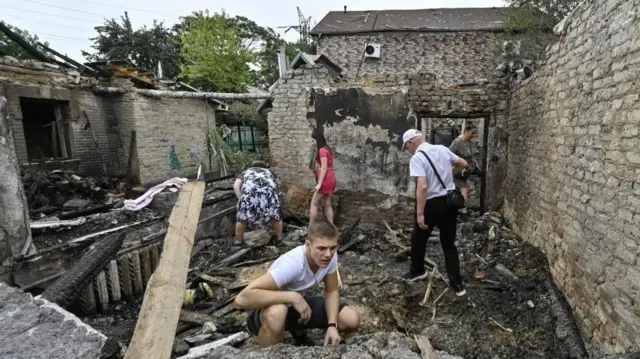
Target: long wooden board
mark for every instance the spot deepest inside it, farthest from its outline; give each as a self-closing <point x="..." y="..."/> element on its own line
<point x="158" y="319"/>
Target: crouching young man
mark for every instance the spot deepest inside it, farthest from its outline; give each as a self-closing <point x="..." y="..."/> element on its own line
<point x="277" y="300"/>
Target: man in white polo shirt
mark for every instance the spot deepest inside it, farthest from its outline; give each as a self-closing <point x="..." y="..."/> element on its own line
<point x="431" y="205"/>
<point x="277" y="300"/>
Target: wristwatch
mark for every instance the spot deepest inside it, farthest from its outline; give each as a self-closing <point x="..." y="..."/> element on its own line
<point x="333" y="325"/>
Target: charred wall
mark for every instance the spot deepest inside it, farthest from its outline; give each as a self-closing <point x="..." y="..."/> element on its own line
<point x="363" y="124"/>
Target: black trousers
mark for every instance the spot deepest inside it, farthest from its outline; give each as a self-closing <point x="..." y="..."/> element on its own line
<point x="437" y="214"/>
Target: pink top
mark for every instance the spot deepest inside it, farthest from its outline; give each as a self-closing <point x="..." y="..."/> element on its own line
<point x="324" y="152"/>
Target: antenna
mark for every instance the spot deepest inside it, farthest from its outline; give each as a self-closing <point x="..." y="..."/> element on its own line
<point x="303" y="27"/>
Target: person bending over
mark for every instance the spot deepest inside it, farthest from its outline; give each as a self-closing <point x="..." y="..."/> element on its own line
<point x="258" y="202"/>
<point x="277" y="301"/>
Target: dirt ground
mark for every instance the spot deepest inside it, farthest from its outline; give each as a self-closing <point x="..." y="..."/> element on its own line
<point x="498" y="318"/>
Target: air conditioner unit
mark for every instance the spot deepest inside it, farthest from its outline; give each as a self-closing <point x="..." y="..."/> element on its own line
<point x="372" y="50"/>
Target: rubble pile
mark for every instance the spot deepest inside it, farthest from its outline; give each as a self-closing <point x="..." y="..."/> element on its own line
<point x="60" y="191"/>
<point x="508" y="311"/>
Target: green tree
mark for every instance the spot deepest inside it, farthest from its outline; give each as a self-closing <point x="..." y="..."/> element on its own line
<point x="214" y="56"/>
<point x="144" y="47"/>
<point x="9" y="47"/>
<point x="556" y="9"/>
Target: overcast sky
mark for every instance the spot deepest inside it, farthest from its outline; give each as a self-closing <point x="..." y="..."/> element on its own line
<point x="68" y="24"/>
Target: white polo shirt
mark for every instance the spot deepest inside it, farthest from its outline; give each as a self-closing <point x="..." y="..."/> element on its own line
<point x="442" y="159"/>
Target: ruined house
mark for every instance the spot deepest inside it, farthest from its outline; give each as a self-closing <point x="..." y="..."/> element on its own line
<point x="560" y="149"/>
<point x="95" y="119"/>
<point x="432" y="69"/>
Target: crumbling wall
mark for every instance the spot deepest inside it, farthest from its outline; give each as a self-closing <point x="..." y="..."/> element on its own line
<point x="573" y="183"/>
<point x="83" y="147"/>
<point x="170" y="136"/>
<point x="363" y="124"/>
<point x="454" y="57"/>
<point x="14" y="219"/>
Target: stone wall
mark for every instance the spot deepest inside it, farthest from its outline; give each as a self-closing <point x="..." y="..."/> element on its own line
<point x="170" y="136"/>
<point x="363" y="124"/>
<point x="454" y="57"/>
<point x="573" y="183"/>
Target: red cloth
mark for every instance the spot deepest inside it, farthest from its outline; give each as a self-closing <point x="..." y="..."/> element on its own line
<point x="329" y="183"/>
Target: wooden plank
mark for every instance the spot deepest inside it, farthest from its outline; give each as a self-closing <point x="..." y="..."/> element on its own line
<point x="160" y="313"/>
<point x="54" y="140"/>
<point x="195" y="317"/>
<point x="61" y="132"/>
<point x="114" y="281"/>
<point x="124" y="268"/>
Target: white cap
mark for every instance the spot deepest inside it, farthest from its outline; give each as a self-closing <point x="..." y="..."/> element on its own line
<point x="408" y="136"/>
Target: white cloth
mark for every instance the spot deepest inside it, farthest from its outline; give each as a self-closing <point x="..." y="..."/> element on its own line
<point x="291" y="271"/>
<point x="144" y="200"/>
<point x="442" y="159"/>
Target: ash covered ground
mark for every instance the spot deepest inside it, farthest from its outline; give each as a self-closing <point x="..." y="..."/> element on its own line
<point x="505" y="314"/>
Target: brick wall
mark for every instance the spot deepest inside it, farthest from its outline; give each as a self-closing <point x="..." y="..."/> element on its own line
<point x="167" y="128"/>
<point x="82" y="145"/>
<point x="573" y="183"/>
<point x="454" y="57"/>
<point x="363" y="124"/>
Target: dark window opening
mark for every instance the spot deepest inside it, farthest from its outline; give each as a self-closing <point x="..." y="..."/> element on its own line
<point x="46" y="131"/>
<point x="444" y="136"/>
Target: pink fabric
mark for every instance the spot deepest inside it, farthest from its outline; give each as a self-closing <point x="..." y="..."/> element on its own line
<point x="329" y="183"/>
<point x="144" y="200"/>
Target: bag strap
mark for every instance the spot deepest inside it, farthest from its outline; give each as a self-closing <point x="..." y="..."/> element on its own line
<point x="434" y="169"/>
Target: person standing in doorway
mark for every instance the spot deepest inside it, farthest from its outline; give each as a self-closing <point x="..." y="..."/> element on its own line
<point x="432" y="167"/>
<point x="258" y="202"/>
<point x="325" y="177"/>
<point x="463" y="147"/>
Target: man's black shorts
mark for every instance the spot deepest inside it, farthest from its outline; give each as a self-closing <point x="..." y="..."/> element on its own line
<point x="318" y="318"/>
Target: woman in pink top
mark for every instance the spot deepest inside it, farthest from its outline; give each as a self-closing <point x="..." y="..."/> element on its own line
<point x="326" y="178"/>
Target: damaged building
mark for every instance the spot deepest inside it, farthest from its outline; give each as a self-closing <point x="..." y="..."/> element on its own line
<point x="550" y="254"/>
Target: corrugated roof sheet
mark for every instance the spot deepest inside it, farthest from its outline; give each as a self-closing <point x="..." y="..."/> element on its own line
<point x="449" y="19"/>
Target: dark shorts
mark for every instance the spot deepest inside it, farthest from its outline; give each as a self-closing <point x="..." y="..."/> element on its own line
<point x="318" y="318"/>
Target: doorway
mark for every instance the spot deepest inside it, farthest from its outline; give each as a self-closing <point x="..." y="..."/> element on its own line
<point x="443" y="130"/>
<point x="46" y="130"/>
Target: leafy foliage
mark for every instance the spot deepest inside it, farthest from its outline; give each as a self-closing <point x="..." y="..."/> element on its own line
<point x="214" y="57"/>
<point x="557" y="9"/>
<point x="144" y="47"/>
<point x="9" y="47"/>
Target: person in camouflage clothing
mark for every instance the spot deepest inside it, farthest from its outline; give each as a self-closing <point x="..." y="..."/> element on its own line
<point x="463" y="147"/>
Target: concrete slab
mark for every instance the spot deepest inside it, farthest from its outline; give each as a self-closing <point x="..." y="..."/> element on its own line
<point x="36" y="328"/>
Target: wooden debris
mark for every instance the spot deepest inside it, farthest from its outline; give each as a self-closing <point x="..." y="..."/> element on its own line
<point x="213" y="280"/>
<point x="508" y="330"/>
<point x="219" y="214"/>
<point x="505" y="272"/>
<point x="194" y="317"/>
<point x="198" y="339"/>
<point x="203" y="350"/>
<point x="348" y="233"/>
<point x="232" y="258"/>
<point x="254" y="262"/>
<point x="353" y="242"/>
<point x="160" y="313"/>
<point x="440" y="296"/>
<point x="429" y="286"/>
<point x="257" y="238"/>
<point x="395" y="238"/>
<point x="426" y="350"/>
<point x="203" y="95"/>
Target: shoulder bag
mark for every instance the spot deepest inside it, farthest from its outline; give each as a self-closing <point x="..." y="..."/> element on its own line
<point x="454" y="197"/>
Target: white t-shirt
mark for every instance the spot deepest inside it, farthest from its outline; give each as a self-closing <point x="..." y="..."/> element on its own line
<point x="291" y="271"/>
<point x="442" y="159"/>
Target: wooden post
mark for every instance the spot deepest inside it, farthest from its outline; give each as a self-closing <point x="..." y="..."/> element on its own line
<point x="158" y="319"/>
<point x="132" y="148"/>
<point x="61" y="131"/>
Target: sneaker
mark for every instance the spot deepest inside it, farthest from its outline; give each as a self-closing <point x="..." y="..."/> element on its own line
<point x="410" y="276"/>
<point x="459" y="289"/>
<point x="302" y="339"/>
